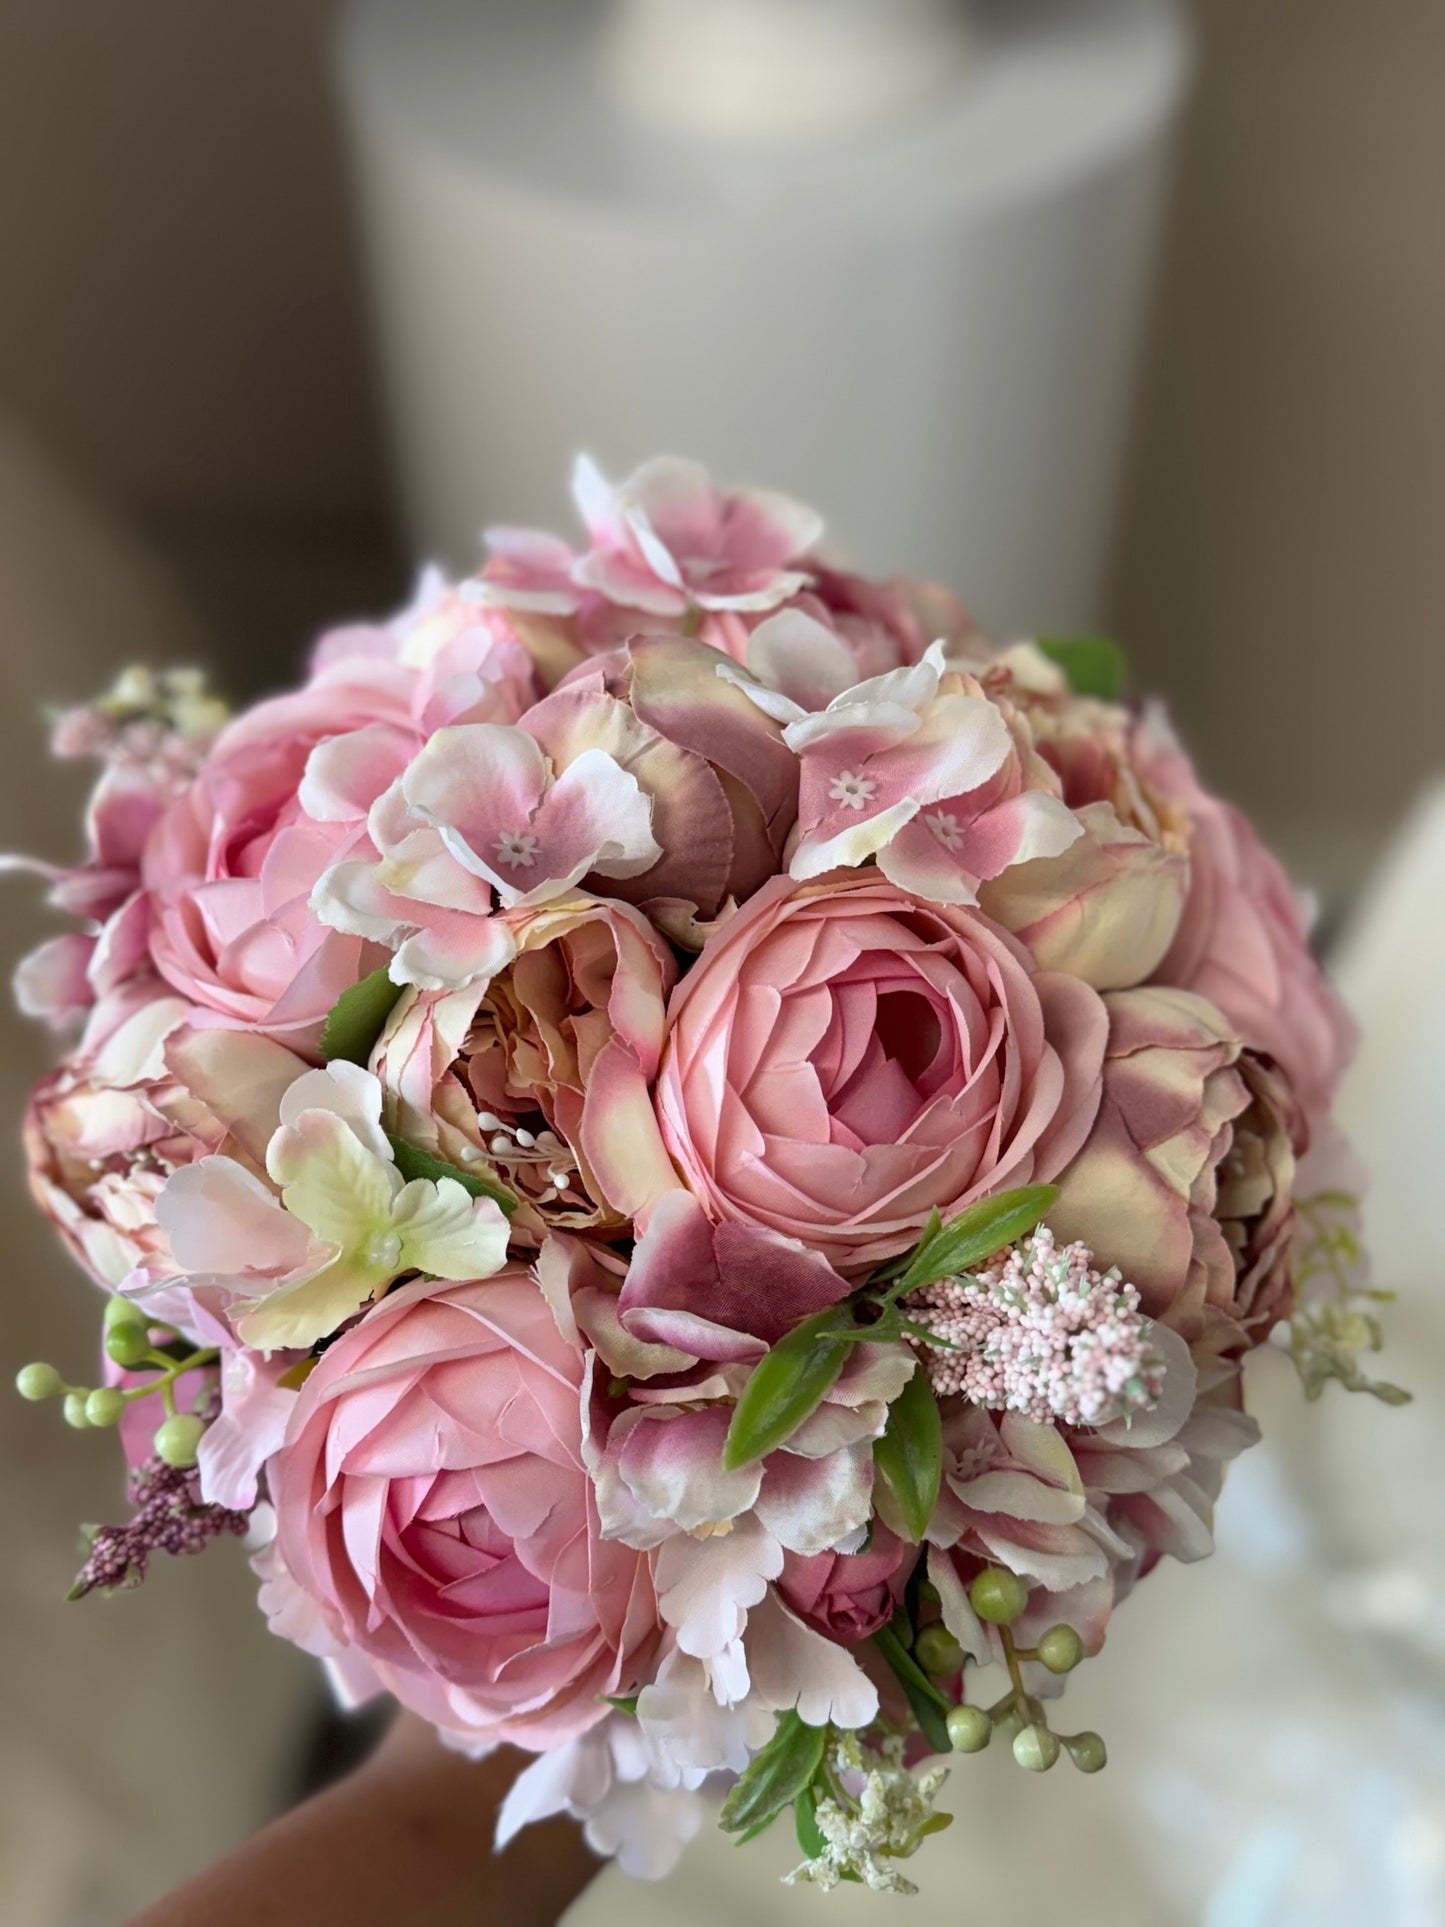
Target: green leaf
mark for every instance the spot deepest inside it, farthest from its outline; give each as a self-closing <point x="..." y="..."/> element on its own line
<point x="413" y="1162"/>
<point x="974" y="1235"/>
<point x="625" y="1703"/>
<point x="787" y="1386"/>
<point x="909" y="1456"/>
<point x="356" y="1019"/>
<point x="775" y="1776"/>
<point x="805" y="1819"/>
<point x="1094" y="665"/>
<point x="930" y="1708"/>
<point x="899" y="1265"/>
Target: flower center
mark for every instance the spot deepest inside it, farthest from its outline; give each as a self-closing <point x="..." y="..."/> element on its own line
<point x="383" y="1251"/>
<point x="518" y="848"/>
<point x="944" y="825"/>
<point x="850" y="790"/>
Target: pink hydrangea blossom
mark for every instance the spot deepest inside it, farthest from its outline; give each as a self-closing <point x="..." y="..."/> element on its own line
<point x="479" y="818"/>
<point x="662" y="542"/>
<point x="920" y="771"/>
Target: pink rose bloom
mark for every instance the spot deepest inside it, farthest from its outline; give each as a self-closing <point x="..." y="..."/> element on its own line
<point x="230" y="868"/>
<point x="843" y="1060"/>
<point x="1243" y="942"/>
<point x="847" y="1596"/>
<point x="433" y="1506"/>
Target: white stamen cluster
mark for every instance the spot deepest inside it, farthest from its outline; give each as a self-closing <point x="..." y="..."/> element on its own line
<point x="525" y="1156"/>
<point x="1044" y="1333"/>
<point x="866" y="1834"/>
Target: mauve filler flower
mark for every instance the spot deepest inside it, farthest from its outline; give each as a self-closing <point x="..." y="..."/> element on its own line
<point x="844" y="1060"/>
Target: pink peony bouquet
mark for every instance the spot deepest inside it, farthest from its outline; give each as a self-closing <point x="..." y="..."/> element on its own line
<point x="692" y="1150"/>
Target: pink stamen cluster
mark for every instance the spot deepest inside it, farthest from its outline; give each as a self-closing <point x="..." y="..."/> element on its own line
<point x="1044" y="1333"/>
<point x="170" y="1517"/>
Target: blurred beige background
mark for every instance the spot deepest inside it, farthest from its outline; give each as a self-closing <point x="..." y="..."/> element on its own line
<point x="191" y="464"/>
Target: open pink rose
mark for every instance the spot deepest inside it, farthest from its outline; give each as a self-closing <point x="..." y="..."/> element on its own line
<point x="842" y="1060"/>
<point x="432" y="1504"/>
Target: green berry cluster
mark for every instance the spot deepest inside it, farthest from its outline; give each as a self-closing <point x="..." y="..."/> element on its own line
<point x="999" y="1597"/>
<point x="134" y="1342"/>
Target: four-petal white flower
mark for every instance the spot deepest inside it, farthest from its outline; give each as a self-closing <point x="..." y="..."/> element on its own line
<point x="345" y="1225"/>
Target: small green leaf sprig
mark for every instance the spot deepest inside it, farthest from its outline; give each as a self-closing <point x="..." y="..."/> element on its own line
<point x="139" y="1344"/>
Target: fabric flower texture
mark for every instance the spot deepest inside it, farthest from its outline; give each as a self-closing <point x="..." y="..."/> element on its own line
<point x="693" y="1151"/>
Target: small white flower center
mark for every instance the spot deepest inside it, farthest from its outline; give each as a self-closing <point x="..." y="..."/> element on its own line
<point x="850" y="790"/>
<point x="518" y="848"/>
<point x="383" y="1251"/>
<point x="944" y="825"/>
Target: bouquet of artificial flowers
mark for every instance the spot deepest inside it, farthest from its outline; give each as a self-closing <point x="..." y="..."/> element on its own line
<point x="692" y="1150"/>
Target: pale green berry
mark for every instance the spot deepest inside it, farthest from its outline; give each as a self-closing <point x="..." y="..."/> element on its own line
<point x="74" y="1409"/>
<point x="998" y="1596"/>
<point x="105" y="1406"/>
<point x="1061" y="1649"/>
<point x="120" y="1310"/>
<point x="39" y="1381"/>
<point x="969" y="1728"/>
<point x="176" y="1441"/>
<point x="938" y="1652"/>
<point x="1036" y="1748"/>
<point x="1088" y="1752"/>
<point x="127" y="1342"/>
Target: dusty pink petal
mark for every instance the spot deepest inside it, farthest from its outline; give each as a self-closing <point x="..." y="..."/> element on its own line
<point x="221" y="1219"/>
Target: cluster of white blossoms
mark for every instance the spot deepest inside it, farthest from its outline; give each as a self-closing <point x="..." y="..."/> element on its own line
<point x="1044" y="1333"/>
<point x="865" y="1834"/>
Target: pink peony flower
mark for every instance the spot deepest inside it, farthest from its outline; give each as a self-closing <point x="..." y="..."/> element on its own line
<point x="1185" y="1182"/>
<point x="722" y="784"/>
<point x="1243" y="942"/>
<point x="919" y="769"/>
<point x="544" y="1071"/>
<point x="433" y="1506"/>
<point x="848" y="1595"/>
<point x="843" y="1060"/>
